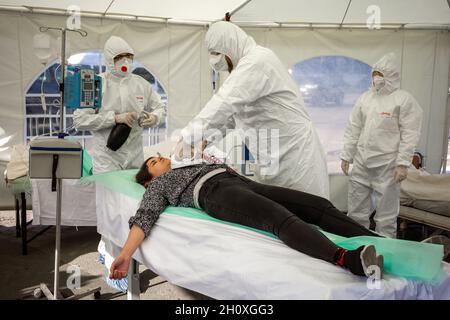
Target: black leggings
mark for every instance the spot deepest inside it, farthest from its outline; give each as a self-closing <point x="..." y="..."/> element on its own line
<point x="284" y="212"/>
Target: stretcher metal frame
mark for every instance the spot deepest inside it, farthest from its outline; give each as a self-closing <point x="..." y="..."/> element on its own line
<point x="22" y="224"/>
<point x="426" y="218"/>
<point x="134" y="291"/>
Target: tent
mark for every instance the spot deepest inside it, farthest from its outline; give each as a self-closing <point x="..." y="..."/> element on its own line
<point x="408" y="13"/>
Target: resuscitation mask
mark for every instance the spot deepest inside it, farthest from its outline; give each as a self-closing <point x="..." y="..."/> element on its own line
<point x="117" y="136"/>
<point x="122" y="67"/>
<point x="378" y="82"/>
<point x="218" y="62"/>
<point x="185" y="155"/>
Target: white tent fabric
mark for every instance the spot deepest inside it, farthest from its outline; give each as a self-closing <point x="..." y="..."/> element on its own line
<point x="85" y="5"/>
<point x="293" y="11"/>
<point x="412" y="12"/>
<point x="415" y="12"/>
<point x="200" y="10"/>
<point x="192" y="10"/>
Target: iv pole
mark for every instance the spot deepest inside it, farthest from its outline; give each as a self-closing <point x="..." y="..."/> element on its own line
<point x="56" y="294"/>
<point x="63" y="69"/>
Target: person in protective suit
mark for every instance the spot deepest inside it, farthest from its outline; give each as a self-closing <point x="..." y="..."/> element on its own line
<point x="259" y="95"/>
<point x="379" y="140"/>
<point x="126" y="97"/>
<point x="129" y="104"/>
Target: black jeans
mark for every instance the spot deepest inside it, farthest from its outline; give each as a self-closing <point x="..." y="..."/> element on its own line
<point x="284" y="212"/>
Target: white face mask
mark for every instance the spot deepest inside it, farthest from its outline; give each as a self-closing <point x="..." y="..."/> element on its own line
<point x="218" y="62"/>
<point x="378" y="82"/>
<point x="122" y="67"/>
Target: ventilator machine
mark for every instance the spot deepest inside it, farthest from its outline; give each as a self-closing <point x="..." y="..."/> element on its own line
<point x="82" y="88"/>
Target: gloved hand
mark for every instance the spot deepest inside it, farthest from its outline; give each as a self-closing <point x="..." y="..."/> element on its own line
<point x="147" y="119"/>
<point x="128" y="118"/>
<point x="345" y="165"/>
<point x="204" y="144"/>
<point x="185" y="151"/>
<point x="400" y="173"/>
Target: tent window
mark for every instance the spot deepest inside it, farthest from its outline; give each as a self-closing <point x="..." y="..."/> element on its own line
<point x="45" y="87"/>
<point x="330" y="86"/>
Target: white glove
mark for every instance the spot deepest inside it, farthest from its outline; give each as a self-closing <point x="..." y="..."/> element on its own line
<point x="185" y="154"/>
<point x="212" y="154"/>
<point x="345" y="165"/>
<point x="147" y="119"/>
<point x="128" y="118"/>
<point x="400" y="173"/>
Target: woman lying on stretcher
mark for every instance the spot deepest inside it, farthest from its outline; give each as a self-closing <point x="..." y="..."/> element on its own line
<point x="226" y="195"/>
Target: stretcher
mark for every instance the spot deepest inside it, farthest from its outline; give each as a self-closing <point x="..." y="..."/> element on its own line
<point x="223" y="261"/>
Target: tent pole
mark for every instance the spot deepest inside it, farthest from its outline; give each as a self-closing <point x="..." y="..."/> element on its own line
<point x="202" y="23"/>
<point x="239" y="7"/>
<point x="345" y="14"/>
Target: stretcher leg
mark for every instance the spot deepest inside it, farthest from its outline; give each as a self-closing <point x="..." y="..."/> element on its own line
<point x="18" y="234"/>
<point x="134" y="290"/>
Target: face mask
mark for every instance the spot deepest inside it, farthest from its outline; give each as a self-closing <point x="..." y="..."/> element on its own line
<point x="122" y="67"/>
<point x="378" y="82"/>
<point x="218" y="62"/>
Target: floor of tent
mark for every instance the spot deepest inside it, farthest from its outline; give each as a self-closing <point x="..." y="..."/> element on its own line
<point x="22" y="274"/>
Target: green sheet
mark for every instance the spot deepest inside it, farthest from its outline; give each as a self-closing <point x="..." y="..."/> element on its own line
<point x="19" y="185"/>
<point x="87" y="164"/>
<point x="410" y="259"/>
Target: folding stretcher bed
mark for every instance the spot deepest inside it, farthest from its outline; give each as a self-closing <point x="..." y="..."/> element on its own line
<point x="78" y="207"/>
<point x="425" y="199"/>
<point x="438" y="221"/>
<point x="227" y="262"/>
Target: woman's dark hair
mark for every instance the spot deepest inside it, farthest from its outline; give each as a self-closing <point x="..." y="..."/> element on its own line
<point x="143" y="177"/>
<point x="420" y="155"/>
<point x="417" y="160"/>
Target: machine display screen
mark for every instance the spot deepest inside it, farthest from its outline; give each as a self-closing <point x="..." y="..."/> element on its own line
<point x="88" y="86"/>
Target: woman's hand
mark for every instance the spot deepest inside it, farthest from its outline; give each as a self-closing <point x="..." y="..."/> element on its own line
<point x="119" y="267"/>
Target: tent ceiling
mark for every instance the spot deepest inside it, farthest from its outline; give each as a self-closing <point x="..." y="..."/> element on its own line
<point x="194" y="10"/>
<point x="293" y="11"/>
<point x="408" y="12"/>
<point x="402" y="11"/>
<point x="90" y="6"/>
<point x="333" y="11"/>
<point x="200" y="10"/>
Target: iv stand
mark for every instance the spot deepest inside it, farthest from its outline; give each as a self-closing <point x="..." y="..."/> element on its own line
<point x="56" y="294"/>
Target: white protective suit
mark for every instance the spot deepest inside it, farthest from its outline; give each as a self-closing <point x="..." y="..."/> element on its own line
<point x="260" y="94"/>
<point x="120" y="95"/>
<point x="382" y="132"/>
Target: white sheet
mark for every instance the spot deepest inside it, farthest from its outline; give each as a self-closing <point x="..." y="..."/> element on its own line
<point x="78" y="203"/>
<point x="226" y="262"/>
